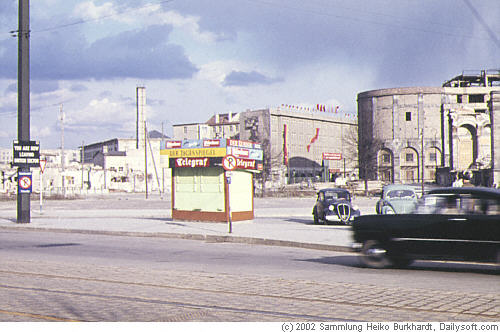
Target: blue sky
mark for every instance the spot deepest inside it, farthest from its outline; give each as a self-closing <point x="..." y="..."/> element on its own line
<point x="199" y="57"/>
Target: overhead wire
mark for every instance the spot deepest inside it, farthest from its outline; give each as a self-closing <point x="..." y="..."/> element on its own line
<point x="402" y="26"/>
<point x="483" y="23"/>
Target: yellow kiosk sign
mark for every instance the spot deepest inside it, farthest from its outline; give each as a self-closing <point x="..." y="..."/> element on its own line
<point x="194" y="153"/>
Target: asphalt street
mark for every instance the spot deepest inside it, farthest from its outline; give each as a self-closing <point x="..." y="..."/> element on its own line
<point x="48" y="276"/>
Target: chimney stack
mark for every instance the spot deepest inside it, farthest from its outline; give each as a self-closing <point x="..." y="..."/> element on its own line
<point x="141" y="116"/>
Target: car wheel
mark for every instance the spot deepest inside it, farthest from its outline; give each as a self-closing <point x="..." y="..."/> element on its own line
<point x="374" y="255"/>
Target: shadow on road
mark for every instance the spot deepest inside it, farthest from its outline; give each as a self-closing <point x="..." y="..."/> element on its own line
<point x="434" y="266"/>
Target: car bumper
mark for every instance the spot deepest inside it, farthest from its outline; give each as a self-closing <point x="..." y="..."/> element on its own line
<point x="333" y="216"/>
<point x="356" y="246"/>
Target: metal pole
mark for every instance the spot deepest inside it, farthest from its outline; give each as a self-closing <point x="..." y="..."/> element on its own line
<point x="23" y="111"/>
<point x="41" y="190"/>
<point x="227" y="176"/>
<point x="63" y="180"/>
<point x="146" y="158"/>
<point x="423" y="166"/>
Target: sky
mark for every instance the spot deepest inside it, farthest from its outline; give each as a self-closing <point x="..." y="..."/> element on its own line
<point x="197" y="58"/>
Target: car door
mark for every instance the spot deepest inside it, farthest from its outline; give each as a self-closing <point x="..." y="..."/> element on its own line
<point x="477" y="230"/>
<point x="433" y="232"/>
<point x="421" y="235"/>
<point x="320" y="205"/>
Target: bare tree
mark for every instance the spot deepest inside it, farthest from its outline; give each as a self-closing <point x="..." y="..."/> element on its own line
<point x="364" y="150"/>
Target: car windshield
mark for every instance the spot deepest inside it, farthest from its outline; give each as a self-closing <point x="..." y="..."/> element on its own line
<point x="457" y="204"/>
<point x="401" y="193"/>
<point x="336" y="195"/>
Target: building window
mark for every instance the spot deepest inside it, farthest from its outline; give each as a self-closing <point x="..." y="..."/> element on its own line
<point x="386" y="158"/>
<point x="476" y="98"/>
<point x="185" y="130"/>
<point x="459" y="99"/>
<point x="433" y="156"/>
<point x="408" y="116"/>
<point x="409" y="157"/>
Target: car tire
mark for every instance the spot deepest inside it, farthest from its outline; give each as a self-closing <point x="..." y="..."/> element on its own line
<point x="374" y="255"/>
<point x="315" y="217"/>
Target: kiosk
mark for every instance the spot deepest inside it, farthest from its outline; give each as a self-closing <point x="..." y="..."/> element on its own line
<point x="212" y="179"/>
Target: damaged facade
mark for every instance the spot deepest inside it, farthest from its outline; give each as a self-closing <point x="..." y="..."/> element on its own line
<point x="433" y="134"/>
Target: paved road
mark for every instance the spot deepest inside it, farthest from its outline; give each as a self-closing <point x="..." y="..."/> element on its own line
<point x="48" y="276"/>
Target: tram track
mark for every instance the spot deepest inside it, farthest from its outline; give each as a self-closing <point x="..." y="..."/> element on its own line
<point x="241" y="306"/>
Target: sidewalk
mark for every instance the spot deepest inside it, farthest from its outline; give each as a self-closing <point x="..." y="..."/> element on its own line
<point x="277" y="222"/>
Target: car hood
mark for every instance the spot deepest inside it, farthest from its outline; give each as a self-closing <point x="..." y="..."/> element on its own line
<point x="403" y="205"/>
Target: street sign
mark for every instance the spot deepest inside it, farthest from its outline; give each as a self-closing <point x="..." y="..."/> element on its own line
<point x="43" y="163"/>
<point x="332" y="156"/>
<point x="26" y="154"/>
<point x="25" y="184"/>
<point x="229" y="162"/>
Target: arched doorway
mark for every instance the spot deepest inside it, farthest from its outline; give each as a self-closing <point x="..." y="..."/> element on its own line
<point x="385" y="163"/>
<point x="409" y="161"/>
<point x="432" y="162"/>
<point x="466" y="143"/>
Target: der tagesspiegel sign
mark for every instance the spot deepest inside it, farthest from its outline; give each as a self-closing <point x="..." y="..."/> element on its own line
<point x="26" y="154"/>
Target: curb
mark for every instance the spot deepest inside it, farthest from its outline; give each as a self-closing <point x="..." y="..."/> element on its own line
<point x="198" y="237"/>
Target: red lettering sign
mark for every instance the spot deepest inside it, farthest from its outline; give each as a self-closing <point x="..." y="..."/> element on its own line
<point x="245" y="163"/>
<point x="210" y="143"/>
<point x="332" y="156"/>
<point x="173" y="144"/>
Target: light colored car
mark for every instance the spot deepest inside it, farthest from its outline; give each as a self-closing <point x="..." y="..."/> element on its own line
<point x="397" y="199"/>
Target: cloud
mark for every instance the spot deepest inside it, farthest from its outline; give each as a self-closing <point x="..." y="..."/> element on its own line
<point x="89" y="11"/>
<point x="37" y="86"/>
<point x="240" y="78"/>
<point x="144" y="53"/>
<point x="78" y="88"/>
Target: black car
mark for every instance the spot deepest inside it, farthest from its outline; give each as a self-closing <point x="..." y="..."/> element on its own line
<point x="334" y="204"/>
<point x="459" y="224"/>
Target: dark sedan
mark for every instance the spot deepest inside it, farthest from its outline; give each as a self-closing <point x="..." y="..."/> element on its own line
<point x="334" y="205"/>
<point x="460" y="224"/>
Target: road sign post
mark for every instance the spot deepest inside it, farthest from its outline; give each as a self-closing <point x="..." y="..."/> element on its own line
<point x="23" y="100"/>
<point x="26" y="154"/>
<point x="229" y="164"/>
<point x="43" y="163"/>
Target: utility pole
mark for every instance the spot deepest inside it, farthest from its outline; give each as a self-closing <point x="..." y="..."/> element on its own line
<point x="62" y="152"/>
<point x="23" y="101"/>
<point x="146" y="157"/>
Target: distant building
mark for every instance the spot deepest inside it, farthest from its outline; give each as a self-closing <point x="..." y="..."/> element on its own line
<point x="218" y="126"/>
<point x="124" y="165"/>
<point x="433" y="134"/>
<point x="303" y="144"/>
<point x="300" y="144"/>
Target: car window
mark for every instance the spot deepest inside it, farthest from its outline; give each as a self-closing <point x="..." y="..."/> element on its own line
<point x="331" y="195"/>
<point x="458" y="204"/>
<point x="478" y="205"/>
<point x="336" y="195"/>
<point x="408" y="194"/>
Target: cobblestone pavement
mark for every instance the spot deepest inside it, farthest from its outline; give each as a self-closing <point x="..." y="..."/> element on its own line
<point x="42" y="291"/>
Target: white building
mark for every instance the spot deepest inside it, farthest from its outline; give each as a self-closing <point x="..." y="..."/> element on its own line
<point x="218" y="126"/>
